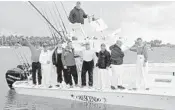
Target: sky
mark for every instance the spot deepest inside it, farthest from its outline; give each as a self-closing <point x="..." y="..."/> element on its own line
<point x="149" y="20"/>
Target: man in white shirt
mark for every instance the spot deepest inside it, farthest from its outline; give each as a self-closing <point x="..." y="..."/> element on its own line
<point x="88" y="65"/>
<point x="46" y="65"/>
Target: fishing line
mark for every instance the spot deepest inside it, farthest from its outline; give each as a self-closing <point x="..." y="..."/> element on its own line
<point x="54" y="20"/>
<point x="64" y="10"/>
<point x="17" y="56"/>
<point x="45" y="18"/>
<point x="49" y="28"/>
<point x="26" y="60"/>
<point x="60" y="17"/>
<point x="59" y="22"/>
<point x="23" y="61"/>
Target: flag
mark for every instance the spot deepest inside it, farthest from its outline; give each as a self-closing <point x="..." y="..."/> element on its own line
<point x="116" y="32"/>
<point x="98" y="25"/>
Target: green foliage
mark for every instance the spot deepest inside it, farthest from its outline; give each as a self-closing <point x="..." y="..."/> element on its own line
<point x="158" y="43"/>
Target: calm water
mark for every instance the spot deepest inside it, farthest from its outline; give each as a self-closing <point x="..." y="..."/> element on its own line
<point x="9" y="100"/>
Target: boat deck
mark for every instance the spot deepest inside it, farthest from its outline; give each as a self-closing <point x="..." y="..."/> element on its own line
<point x="157" y="91"/>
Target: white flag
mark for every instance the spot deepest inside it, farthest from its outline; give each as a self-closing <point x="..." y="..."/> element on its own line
<point x="116" y="32"/>
<point x="98" y="25"/>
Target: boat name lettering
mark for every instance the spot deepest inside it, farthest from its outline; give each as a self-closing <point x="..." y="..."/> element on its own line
<point x="88" y="98"/>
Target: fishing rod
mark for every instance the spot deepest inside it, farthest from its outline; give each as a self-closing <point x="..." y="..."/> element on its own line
<point x="54" y="38"/>
<point x="64" y="10"/>
<point x="20" y="59"/>
<point x="26" y="67"/>
<point x="26" y="60"/>
<point x="60" y="17"/>
<point x="59" y="23"/>
<point x="17" y="57"/>
<point x="51" y="32"/>
<point x="21" y="63"/>
<point x="55" y="21"/>
<point x="53" y="18"/>
<point x="48" y="26"/>
<point x="45" y="18"/>
<point x="57" y="39"/>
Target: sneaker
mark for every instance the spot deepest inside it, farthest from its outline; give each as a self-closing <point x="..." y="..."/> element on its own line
<point x="99" y="89"/>
<point x="90" y="87"/>
<point x="39" y="86"/>
<point x="67" y="86"/>
<point x="147" y="89"/>
<point x="50" y="86"/>
<point x="34" y="85"/>
<point x="134" y="89"/>
<point x="82" y="86"/>
<point x="63" y="84"/>
<point x="57" y="85"/>
<point x="76" y="85"/>
<point x="121" y="87"/>
<point x="71" y="86"/>
<point x="113" y="88"/>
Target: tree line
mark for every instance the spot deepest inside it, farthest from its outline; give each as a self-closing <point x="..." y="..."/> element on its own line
<point x="12" y="40"/>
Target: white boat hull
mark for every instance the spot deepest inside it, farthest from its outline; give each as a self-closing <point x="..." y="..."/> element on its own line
<point x="4" y="47"/>
<point x="156" y="98"/>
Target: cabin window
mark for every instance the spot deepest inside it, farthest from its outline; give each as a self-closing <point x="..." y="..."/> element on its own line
<point x="163" y="80"/>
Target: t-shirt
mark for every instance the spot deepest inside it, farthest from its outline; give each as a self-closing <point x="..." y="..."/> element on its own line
<point x="59" y="51"/>
<point x="68" y="57"/>
<point x="141" y="50"/>
<point x="45" y="57"/>
<point x="88" y="55"/>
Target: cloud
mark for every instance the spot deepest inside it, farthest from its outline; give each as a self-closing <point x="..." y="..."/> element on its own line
<point x="154" y="20"/>
<point x="149" y="19"/>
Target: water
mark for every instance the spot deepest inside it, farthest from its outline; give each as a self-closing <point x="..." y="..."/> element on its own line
<point x="9" y="100"/>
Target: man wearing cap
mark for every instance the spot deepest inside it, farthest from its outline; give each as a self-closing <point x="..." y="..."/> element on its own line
<point x="116" y="64"/>
<point x="88" y="65"/>
<point x="77" y="14"/>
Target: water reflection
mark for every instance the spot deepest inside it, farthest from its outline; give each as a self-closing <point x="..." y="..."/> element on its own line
<point x="16" y="101"/>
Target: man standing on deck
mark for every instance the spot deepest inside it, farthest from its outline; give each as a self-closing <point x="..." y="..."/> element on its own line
<point x="77" y="14"/>
<point x="36" y="65"/>
<point x="56" y="58"/>
<point x="45" y="60"/>
<point x="103" y="64"/>
<point x="116" y="64"/>
<point x="88" y="65"/>
<point x="76" y="18"/>
<point x="69" y="65"/>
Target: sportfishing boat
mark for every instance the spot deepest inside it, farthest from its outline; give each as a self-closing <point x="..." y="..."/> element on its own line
<point x="160" y="80"/>
<point x="161" y="94"/>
